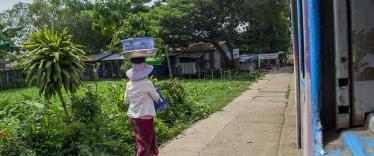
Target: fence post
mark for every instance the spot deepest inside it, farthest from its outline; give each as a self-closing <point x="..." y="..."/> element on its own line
<point x="221" y="74"/>
<point x="7" y="77"/>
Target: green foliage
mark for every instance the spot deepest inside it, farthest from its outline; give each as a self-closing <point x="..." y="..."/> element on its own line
<point x="86" y="109"/>
<point x="107" y="15"/>
<point x="53" y="63"/>
<point x="253" y="25"/>
<point x="126" y="65"/>
<point x="135" y="25"/>
<point x="174" y="20"/>
<point x="71" y="15"/>
<point x="268" y="26"/>
<point x="18" y="18"/>
<point x="7" y="45"/>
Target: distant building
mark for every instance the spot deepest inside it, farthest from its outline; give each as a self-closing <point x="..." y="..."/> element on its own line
<point x="112" y="66"/>
<point x="91" y="62"/>
<point x="200" y="58"/>
<point x="248" y="62"/>
<point x="4" y="64"/>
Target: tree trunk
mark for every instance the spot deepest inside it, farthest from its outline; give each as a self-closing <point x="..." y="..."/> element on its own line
<point x="168" y="61"/>
<point x="64" y="106"/>
<point x="230" y="45"/>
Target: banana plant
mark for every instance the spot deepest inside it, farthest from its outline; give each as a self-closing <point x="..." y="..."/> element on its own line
<point x="53" y="63"/>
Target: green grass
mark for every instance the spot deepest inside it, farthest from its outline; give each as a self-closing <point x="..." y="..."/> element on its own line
<point x="215" y="93"/>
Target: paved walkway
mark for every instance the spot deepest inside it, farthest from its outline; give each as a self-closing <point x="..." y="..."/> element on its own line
<point x="260" y="122"/>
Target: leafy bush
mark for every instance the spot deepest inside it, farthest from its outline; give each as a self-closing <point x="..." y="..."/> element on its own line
<point x="87" y="108"/>
<point x="181" y="109"/>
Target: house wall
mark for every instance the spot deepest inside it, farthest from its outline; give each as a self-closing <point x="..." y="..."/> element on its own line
<point x="217" y="60"/>
<point x="227" y="50"/>
<point x="10" y="79"/>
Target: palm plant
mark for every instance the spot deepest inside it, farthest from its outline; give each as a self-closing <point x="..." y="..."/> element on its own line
<point x="53" y="63"/>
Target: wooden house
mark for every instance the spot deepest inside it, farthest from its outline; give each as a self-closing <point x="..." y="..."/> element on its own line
<point x="200" y="58"/>
<point x="4" y="64"/>
<point x="112" y="66"/>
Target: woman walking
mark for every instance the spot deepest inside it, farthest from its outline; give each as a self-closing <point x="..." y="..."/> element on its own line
<point x="140" y="94"/>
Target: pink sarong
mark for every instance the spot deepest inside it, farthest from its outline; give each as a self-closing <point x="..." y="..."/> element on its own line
<point x="145" y="136"/>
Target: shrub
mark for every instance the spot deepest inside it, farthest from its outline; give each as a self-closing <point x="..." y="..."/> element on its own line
<point x="86" y="108"/>
<point x="181" y="109"/>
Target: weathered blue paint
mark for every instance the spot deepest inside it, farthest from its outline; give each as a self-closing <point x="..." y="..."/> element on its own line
<point x="354" y="144"/>
<point x="338" y="152"/>
<point x="315" y="54"/>
<point x="369" y="142"/>
<point x="359" y="145"/>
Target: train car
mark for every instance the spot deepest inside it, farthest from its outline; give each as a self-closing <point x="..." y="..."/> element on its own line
<point x="333" y="44"/>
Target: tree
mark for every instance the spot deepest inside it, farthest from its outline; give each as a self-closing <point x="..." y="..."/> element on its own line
<point x="7" y="46"/>
<point x="118" y="19"/>
<point x="19" y="20"/>
<point x="267" y="26"/>
<point x="174" y="21"/>
<point x="54" y="63"/>
<point x="210" y="21"/>
<point x="214" y="22"/>
<point x="107" y="15"/>
<point x="255" y="25"/>
<point x="73" y="14"/>
<point x="135" y="25"/>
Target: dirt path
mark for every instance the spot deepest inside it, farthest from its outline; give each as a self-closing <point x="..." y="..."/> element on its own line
<point x="260" y="122"/>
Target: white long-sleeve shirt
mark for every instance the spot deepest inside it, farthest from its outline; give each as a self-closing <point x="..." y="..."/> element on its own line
<point x="140" y="95"/>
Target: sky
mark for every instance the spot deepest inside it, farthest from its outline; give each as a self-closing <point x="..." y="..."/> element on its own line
<point x="8" y="4"/>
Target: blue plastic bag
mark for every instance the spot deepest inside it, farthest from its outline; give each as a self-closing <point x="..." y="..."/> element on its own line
<point x="162" y="103"/>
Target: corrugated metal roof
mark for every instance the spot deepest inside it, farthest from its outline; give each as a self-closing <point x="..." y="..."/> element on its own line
<point x="97" y="57"/>
<point x="114" y="57"/>
<point x="199" y="47"/>
<point x="192" y="55"/>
